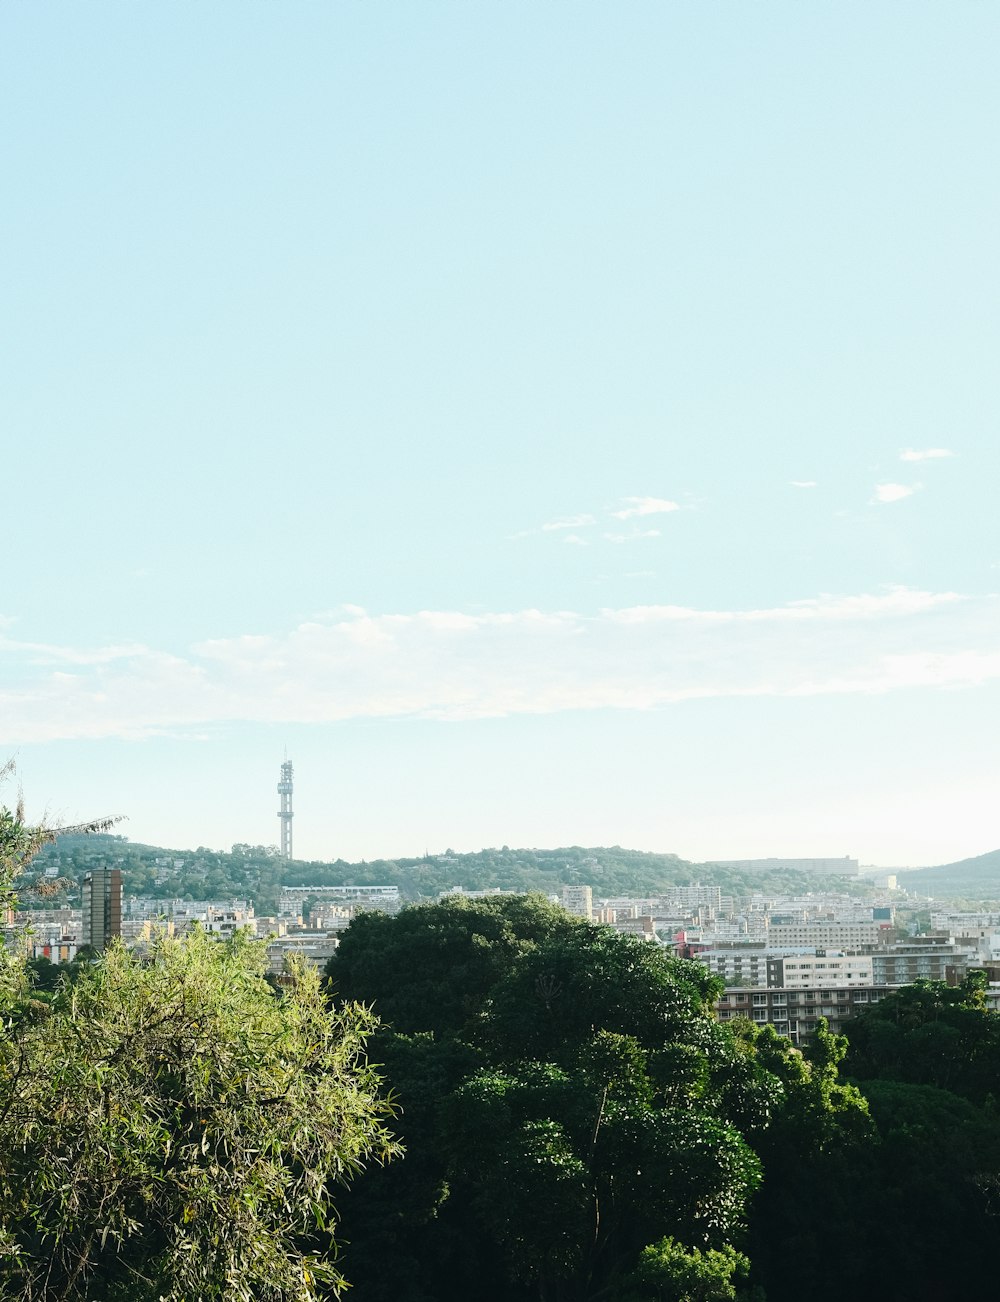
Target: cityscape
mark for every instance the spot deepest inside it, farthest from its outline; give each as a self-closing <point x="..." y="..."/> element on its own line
<point x="846" y="938"/>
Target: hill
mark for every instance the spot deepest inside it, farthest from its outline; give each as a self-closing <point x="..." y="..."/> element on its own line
<point x="257" y="873"/>
<point x="977" y="878"/>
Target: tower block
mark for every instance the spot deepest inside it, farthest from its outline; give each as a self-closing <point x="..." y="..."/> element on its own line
<point x="285" y="812"/>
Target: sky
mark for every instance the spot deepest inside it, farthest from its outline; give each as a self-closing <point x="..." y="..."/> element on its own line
<point x="550" y="424"/>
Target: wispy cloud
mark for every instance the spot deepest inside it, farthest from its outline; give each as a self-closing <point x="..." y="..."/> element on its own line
<point x="580" y="521"/>
<point x="635" y="506"/>
<point x="45" y="653"/>
<point x="453" y="665"/>
<point x="893" y="492"/>
<point x="924" y="454"/>
<point x="575" y="540"/>
<point x="804" y="483"/>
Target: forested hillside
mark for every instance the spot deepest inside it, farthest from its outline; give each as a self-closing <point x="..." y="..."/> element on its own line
<point x="257" y="872"/>
<point x="977" y="878"/>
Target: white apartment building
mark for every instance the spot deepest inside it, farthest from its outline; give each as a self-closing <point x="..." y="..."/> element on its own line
<point x="827" y="969"/>
<point x="579" y="900"/>
<point x="854" y="934"/>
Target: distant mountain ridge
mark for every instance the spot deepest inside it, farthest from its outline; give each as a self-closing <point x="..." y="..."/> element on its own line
<point x="978" y="877"/>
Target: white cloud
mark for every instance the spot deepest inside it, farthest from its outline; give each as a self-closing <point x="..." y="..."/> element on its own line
<point x="925" y="454"/>
<point x="453" y="665"/>
<point x="644" y="506"/>
<point x="804" y="483"/>
<point x="893" y="492"/>
<point x="575" y="540"/>
<point x="893" y="602"/>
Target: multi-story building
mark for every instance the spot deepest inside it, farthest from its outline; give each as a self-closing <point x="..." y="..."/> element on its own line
<point x="794" y="1013"/>
<point x="923" y="958"/>
<point x="102" y="906"/>
<point x="826" y="934"/>
<point x="828" y="967"/>
<point x="579" y="900"/>
<point x="738" y="965"/>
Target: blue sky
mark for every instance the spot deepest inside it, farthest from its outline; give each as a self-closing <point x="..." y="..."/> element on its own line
<point x="553" y="423"/>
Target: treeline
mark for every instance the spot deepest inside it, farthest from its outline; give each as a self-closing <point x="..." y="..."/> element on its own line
<point x="257" y="873"/>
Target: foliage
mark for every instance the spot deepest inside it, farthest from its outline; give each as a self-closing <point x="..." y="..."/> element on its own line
<point x="432" y="967"/>
<point x="173" y="1130"/>
<point x="930" y="1033"/>
<point x="669" y="1272"/>
<point x="578" y="1124"/>
<point x="20" y="841"/>
<point x="914" y="1203"/>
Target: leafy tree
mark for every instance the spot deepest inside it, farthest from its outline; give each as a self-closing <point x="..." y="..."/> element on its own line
<point x="930" y="1033"/>
<point x="577" y="1122"/>
<point x="669" y="1272"/>
<point x="173" y="1130"/>
<point x="431" y="967"/>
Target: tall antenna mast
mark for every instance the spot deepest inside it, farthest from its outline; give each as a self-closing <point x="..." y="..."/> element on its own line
<point x="285" y="812"/>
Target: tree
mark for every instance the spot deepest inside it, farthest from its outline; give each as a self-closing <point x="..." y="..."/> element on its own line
<point x="175" y="1130"/>
<point x="930" y="1033"/>
<point x="570" y="1105"/>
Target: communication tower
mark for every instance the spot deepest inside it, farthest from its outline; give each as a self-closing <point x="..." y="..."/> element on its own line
<point x="285" y="812"/>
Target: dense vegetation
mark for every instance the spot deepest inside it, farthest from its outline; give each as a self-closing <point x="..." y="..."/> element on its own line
<point x="174" y="1128"/>
<point x="578" y="1127"/>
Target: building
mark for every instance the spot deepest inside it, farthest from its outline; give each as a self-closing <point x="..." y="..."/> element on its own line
<point x="794" y="1013"/>
<point x="102" y="906"/>
<point x="922" y="958"/>
<point x="292" y="898"/>
<point x="737" y="965"/>
<point x="825" y="967"/>
<point x="827" y="934"/>
<point x="579" y="900"/>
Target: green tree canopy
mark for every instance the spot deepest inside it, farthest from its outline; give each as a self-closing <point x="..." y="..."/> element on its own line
<point x="576" y="1119"/>
<point x="175" y="1130"/>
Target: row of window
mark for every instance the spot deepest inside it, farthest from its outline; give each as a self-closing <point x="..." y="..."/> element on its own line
<point x="837" y="1001"/>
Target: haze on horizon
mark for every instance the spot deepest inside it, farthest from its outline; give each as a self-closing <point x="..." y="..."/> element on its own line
<point x="552" y="426"/>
